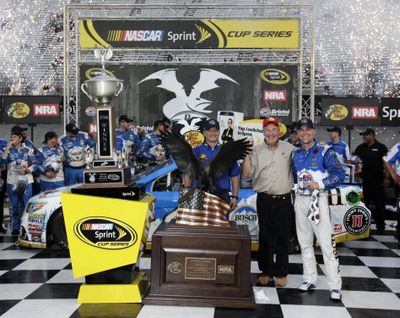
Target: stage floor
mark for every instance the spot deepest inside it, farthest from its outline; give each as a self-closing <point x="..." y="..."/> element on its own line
<point x="39" y="283"/>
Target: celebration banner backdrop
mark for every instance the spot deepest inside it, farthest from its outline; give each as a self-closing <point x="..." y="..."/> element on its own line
<point x="190" y="34"/>
<point x="189" y="94"/>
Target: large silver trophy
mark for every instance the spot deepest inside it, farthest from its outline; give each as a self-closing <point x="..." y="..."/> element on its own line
<point x="110" y="167"/>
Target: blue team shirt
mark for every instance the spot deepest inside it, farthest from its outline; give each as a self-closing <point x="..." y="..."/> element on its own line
<point x="74" y="148"/>
<point x="126" y="138"/>
<point x="17" y="159"/>
<point x="45" y="156"/>
<point x="149" y="141"/>
<point x="341" y="148"/>
<point x="393" y="157"/>
<point x="205" y="153"/>
<point x="319" y="164"/>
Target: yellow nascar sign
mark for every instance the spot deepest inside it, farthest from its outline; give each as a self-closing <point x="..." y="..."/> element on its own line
<point x="189" y="34"/>
<point x="103" y="233"/>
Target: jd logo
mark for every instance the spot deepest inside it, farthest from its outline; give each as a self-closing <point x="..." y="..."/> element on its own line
<point x="184" y="107"/>
<point x="105" y="232"/>
<point x="275" y="76"/>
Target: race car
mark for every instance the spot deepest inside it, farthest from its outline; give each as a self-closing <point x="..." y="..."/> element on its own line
<point x="42" y="221"/>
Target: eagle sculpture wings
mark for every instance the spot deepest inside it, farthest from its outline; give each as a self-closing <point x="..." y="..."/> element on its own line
<point x="205" y="172"/>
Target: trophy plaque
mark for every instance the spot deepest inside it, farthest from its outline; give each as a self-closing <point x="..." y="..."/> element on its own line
<point x="109" y="169"/>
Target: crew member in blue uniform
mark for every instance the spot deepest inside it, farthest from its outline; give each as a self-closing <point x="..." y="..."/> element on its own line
<point x="49" y="160"/>
<point x="75" y="144"/>
<point x="29" y="143"/>
<point x="150" y="148"/>
<point x="3" y="185"/>
<point x="207" y="152"/>
<point x="341" y="148"/>
<point x="20" y="162"/>
<point x="126" y="138"/>
<point x="392" y="164"/>
<point x="316" y="169"/>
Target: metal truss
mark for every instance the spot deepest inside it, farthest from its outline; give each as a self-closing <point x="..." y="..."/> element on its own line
<point x="304" y="57"/>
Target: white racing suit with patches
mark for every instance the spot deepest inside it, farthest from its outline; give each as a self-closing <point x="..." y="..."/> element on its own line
<point x="319" y="164"/>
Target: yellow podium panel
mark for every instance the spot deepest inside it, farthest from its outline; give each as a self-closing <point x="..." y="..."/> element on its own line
<point x="103" y="233"/>
<point x="114" y="293"/>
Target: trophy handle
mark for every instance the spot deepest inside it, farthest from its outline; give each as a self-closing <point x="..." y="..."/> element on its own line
<point x="121" y="86"/>
<point x="85" y="91"/>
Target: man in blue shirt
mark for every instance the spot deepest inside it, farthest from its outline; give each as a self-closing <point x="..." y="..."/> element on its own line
<point x="3" y="181"/>
<point x="392" y="164"/>
<point x="126" y="138"/>
<point x="341" y="148"/>
<point x="74" y="144"/>
<point x="316" y="169"/>
<point x="207" y="152"/>
<point x="49" y="160"/>
<point x="20" y="162"/>
<point x="150" y="148"/>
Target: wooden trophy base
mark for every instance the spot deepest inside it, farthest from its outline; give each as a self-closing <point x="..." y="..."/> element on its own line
<point x="201" y="266"/>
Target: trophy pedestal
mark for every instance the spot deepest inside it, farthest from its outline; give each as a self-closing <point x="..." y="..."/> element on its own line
<point x="201" y="266"/>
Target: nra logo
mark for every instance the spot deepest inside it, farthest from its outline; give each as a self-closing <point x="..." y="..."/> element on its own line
<point x="364" y="112"/>
<point x="46" y="110"/>
<point x="275" y="95"/>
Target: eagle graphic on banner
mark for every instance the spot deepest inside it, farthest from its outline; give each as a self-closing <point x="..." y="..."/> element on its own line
<point x="190" y="109"/>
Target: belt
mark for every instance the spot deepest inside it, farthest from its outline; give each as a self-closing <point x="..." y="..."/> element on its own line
<point x="286" y="196"/>
<point x="68" y="166"/>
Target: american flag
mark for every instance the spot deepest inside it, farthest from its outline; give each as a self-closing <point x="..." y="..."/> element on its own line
<point x="197" y="207"/>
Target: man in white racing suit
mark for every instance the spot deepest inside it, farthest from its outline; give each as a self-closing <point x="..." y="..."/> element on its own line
<point x="316" y="169"/>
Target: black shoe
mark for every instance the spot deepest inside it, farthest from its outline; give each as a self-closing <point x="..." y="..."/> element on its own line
<point x="15" y="232"/>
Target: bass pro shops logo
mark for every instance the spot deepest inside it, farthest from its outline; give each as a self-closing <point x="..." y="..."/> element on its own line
<point x="357" y="220"/>
<point x="105" y="233"/>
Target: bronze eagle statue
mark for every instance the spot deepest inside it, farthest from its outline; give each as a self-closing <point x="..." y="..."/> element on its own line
<point x="205" y="172"/>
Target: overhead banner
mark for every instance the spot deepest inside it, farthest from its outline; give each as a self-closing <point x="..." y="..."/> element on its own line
<point x="390" y="112"/>
<point x="190" y="94"/>
<point x="190" y="34"/>
<point x="350" y="111"/>
<point x="31" y="109"/>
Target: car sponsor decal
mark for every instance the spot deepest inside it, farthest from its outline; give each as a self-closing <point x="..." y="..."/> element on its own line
<point x="357" y="220"/>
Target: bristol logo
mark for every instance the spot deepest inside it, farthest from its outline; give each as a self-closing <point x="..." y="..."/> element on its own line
<point x="46" y="110"/>
<point x="364" y="112"/>
<point x="184" y="108"/>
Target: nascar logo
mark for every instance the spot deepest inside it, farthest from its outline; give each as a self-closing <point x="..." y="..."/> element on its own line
<point x="135" y="35"/>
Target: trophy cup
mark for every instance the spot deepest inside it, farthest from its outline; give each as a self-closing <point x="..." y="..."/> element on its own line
<point x="107" y="169"/>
